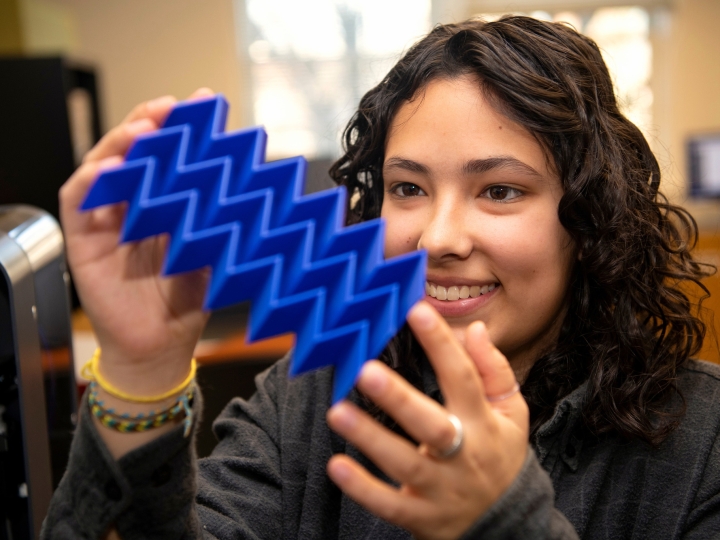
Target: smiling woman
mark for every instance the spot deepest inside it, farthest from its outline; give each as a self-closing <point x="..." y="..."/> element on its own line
<point x="476" y="190"/>
<point x="553" y="261"/>
<point x="544" y="89"/>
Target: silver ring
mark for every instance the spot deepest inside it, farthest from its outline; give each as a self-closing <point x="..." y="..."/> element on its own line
<point x="506" y="395"/>
<point x="456" y="443"/>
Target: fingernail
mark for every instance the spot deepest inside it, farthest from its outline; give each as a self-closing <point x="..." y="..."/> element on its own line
<point x="160" y="103"/>
<point x="339" y="471"/>
<point x="478" y="327"/>
<point x="423" y="317"/>
<point x="109" y="162"/>
<point x="343" y="416"/>
<point x="202" y="93"/>
<point x="140" y="126"/>
<point x="373" y="379"/>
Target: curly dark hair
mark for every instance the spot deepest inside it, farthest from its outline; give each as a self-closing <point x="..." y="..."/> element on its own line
<point x="630" y="323"/>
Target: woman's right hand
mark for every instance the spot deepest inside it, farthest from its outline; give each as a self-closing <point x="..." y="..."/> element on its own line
<point x="146" y="325"/>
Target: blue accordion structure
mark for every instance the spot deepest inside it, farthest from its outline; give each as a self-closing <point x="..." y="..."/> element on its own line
<point x="288" y="253"/>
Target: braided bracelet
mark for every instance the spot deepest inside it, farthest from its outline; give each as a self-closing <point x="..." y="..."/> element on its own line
<point x="126" y="423"/>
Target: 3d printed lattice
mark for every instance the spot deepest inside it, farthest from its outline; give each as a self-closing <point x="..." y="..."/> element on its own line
<point x="288" y="253"/>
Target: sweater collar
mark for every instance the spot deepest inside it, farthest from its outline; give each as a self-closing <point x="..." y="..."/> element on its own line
<point x="557" y="438"/>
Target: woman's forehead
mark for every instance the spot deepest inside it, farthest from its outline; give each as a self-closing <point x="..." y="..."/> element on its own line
<point x="452" y="121"/>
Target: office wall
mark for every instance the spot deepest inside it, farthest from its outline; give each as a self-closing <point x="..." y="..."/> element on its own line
<point x="144" y="49"/>
<point x="693" y="83"/>
<point x="693" y="86"/>
<point x="10" y="27"/>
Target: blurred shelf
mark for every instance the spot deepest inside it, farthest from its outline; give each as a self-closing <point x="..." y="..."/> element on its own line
<point x="222" y="341"/>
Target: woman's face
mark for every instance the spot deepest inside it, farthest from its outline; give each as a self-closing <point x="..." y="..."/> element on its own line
<point x="476" y="190"/>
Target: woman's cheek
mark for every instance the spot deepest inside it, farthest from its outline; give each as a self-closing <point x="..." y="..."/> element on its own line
<point x="401" y="233"/>
<point x="529" y="258"/>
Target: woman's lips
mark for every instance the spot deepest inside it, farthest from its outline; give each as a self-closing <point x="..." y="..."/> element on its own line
<point x="459" y="308"/>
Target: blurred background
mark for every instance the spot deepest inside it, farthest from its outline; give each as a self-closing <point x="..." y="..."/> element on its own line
<point x="72" y="69"/>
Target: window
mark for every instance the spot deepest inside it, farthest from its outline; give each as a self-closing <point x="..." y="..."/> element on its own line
<point x="311" y="62"/>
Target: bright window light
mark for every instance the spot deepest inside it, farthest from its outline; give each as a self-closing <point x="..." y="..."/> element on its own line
<point x="311" y="61"/>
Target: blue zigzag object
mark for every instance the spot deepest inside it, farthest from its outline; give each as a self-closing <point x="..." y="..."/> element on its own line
<point x="288" y="253"/>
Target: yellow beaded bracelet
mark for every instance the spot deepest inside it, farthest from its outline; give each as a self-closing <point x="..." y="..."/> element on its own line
<point x="91" y="372"/>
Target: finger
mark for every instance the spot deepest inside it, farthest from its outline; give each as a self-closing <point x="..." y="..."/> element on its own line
<point x="375" y="495"/>
<point x="155" y="110"/>
<point x="457" y="377"/>
<point x="497" y="375"/>
<point x="394" y="455"/>
<point x="117" y="141"/>
<point x="145" y="117"/>
<point x="425" y="420"/>
<point x="73" y="192"/>
<point x="200" y="93"/>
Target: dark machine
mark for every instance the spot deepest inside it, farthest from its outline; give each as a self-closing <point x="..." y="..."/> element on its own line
<point x="42" y="125"/>
<point x="37" y="387"/>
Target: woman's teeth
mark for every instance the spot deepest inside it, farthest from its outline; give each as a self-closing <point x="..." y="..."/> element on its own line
<point x="456" y="293"/>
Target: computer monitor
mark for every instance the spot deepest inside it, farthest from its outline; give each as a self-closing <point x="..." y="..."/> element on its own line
<point x="704" y="164"/>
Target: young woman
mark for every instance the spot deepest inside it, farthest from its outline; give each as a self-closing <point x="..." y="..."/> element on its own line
<point x="553" y="263"/>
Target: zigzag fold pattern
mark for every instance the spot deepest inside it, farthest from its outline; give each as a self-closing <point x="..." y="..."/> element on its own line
<point x="289" y="254"/>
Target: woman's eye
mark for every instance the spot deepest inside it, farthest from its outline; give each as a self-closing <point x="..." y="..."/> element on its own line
<point x="501" y="193"/>
<point x="406" y="190"/>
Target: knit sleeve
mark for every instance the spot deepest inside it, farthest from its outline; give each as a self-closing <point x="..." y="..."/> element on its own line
<point x="148" y="493"/>
<point x="160" y="490"/>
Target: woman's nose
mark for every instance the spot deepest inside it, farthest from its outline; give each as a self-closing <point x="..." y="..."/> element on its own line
<point x="447" y="235"/>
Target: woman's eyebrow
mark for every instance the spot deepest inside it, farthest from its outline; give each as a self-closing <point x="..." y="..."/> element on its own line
<point x="472" y="167"/>
<point x="406" y="165"/>
<point x="479" y="166"/>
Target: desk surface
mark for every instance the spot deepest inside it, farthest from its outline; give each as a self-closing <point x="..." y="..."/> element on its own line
<point x="230" y="347"/>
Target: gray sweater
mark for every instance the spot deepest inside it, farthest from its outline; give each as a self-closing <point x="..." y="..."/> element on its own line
<point x="266" y="478"/>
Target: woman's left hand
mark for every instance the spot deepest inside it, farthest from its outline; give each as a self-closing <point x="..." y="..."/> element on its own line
<point x="439" y="497"/>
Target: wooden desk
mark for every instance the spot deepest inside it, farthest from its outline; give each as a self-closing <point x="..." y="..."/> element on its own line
<point x="230" y="348"/>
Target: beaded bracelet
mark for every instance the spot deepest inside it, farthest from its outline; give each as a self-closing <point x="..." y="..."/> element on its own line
<point x="127" y="423"/>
